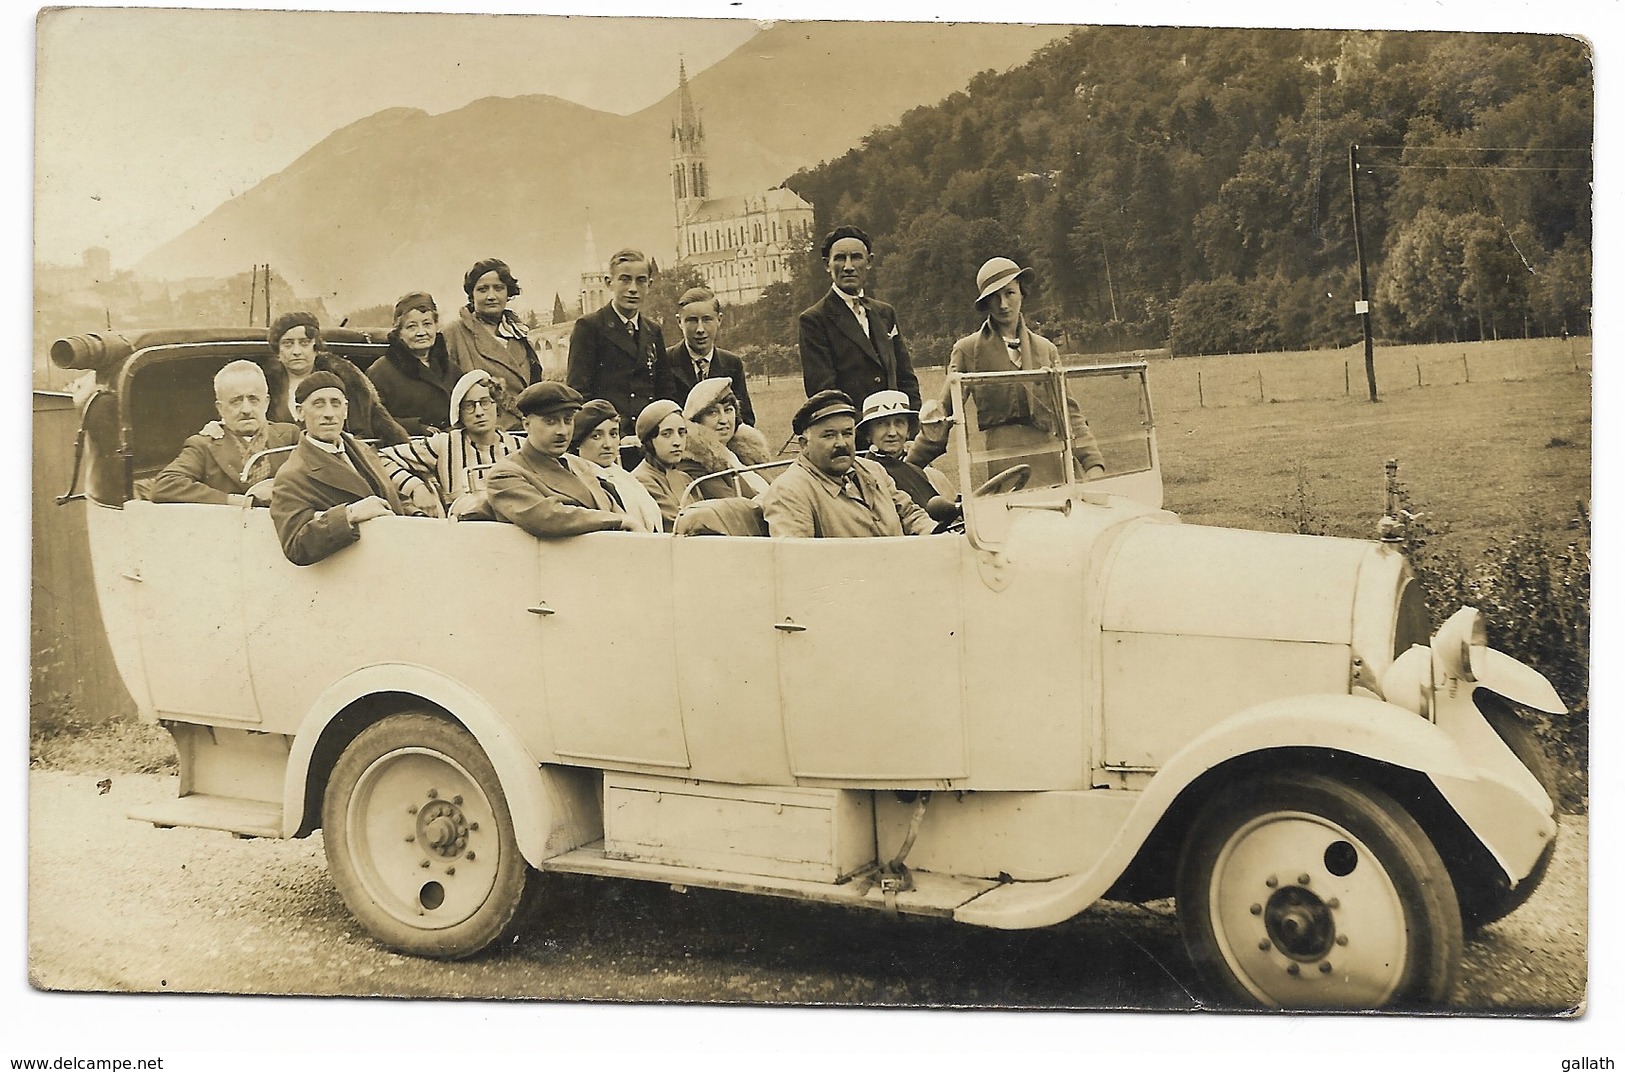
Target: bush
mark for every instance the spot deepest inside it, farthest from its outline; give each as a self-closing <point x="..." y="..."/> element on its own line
<point x="1533" y="588"/>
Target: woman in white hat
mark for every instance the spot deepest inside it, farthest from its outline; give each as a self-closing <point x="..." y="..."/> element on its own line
<point x="887" y="422"/>
<point x="473" y="439"/>
<point x="1020" y="415"/>
<point x="717" y="441"/>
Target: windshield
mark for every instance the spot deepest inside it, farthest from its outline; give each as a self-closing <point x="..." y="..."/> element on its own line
<point x="1012" y="419"/>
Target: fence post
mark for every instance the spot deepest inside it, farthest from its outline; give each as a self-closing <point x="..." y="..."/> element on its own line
<point x="1200" y="401"/>
<point x="1261" y="385"/>
<point x="1465" y="371"/>
<point x="1419" y="372"/>
<point x="1346" y="378"/>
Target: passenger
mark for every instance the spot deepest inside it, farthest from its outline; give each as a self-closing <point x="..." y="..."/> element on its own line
<point x="886" y="422"/>
<point x="717" y="441"/>
<point x="544" y="490"/>
<point x="828" y="490"/>
<point x="297" y="352"/>
<point x="1018" y="415"/>
<point x="473" y="439"/>
<point x="663" y="431"/>
<point x="596" y="440"/>
<point x="333" y="483"/>
<point x="849" y="342"/>
<point x="697" y="357"/>
<point x="488" y="335"/>
<point x="615" y="354"/>
<point x="415" y="376"/>
<point x="209" y="468"/>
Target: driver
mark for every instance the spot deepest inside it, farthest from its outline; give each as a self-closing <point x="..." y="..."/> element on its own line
<point x="829" y="490"/>
<point x="1013" y="416"/>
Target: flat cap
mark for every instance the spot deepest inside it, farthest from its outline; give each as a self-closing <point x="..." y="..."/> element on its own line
<point x="315" y="382"/>
<point x="823" y="405"/>
<point x="548" y="396"/>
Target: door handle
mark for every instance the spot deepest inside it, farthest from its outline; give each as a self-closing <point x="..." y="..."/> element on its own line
<point x="541" y="608"/>
<point x="788" y="626"/>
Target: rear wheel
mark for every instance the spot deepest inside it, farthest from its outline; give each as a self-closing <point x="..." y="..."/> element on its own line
<point x="420" y="842"/>
<point x="1300" y="890"/>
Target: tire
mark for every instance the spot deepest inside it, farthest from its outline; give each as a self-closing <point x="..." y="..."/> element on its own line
<point x="1299" y="890"/>
<point x="1494" y="899"/>
<point x="420" y="842"/>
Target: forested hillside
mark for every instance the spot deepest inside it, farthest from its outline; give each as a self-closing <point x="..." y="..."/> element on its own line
<point x="1193" y="185"/>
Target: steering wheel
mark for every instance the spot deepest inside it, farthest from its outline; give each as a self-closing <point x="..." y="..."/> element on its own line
<point x="1012" y="479"/>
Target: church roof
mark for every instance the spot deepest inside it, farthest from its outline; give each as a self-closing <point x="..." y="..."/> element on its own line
<point x="777" y="199"/>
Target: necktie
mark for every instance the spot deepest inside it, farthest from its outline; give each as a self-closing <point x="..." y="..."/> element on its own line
<point x="702" y="368"/>
<point x="609" y="489"/>
<point x="1015" y="351"/>
<point x="856" y="305"/>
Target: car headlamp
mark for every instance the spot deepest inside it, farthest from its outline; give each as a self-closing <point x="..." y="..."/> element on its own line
<point x="1461" y="647"/>
<point x="1408" y="681"/>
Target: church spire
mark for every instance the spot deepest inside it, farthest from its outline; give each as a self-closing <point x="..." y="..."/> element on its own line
<point x="690" y="185"/>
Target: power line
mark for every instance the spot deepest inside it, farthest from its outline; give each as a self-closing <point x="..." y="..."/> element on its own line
<point x="1470" y="167"/>
<point x="1476" y="148"/>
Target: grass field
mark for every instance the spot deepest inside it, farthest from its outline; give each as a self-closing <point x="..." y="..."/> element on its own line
<point x="1511" y="446"/>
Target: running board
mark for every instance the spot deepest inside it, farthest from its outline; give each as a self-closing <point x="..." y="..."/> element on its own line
<point x="245" y="818"/>
<point x="932" y="895"/>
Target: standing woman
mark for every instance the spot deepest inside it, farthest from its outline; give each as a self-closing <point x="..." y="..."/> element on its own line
<point x="296" y="353"/>
<point x="488" y="335"/>
<point x="415" y="376"/>
<point x="472" y="439"/>
<point x="1019" y="415"/>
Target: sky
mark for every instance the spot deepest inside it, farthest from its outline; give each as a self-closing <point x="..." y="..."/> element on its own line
<point x="149" y="119"/>
<point x="171" y="190"/>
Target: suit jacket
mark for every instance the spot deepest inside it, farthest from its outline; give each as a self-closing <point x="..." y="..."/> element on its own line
<point x="624" y="370"/>
<point x="209" y="470"/>
<point x="546" y="498"/>
<point x="312" y="489"/>
<point x="722" y="364"/>
<point x="835" y="352"/>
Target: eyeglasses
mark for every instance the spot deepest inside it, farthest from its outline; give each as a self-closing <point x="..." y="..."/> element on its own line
<point x="480" y="403"/>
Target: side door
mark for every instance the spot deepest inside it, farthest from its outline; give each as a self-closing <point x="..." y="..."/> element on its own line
<point x="871" y="637"/>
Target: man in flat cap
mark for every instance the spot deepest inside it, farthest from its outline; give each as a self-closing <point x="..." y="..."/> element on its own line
<point x="849" y="341"/>
<point x="544" y="489"/>
<point x="333" y="483"/>
<point x="829" y="490"/>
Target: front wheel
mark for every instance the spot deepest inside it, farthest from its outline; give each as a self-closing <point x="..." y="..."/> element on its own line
<point x="1299" y="890"/>
<point x="420" y="842"/>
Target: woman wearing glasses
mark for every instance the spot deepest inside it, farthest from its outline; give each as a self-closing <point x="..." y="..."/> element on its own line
<point x="473" y="440"/>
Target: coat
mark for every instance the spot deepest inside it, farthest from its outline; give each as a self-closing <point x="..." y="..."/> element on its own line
<point x="722" y="364"/>
<point x="836" y="353"/>
<point x="209" y="469"/>
<point x="368" y="417"/>
<point x="627" y="372"/>
<point x="665" y="486"/>
<point x="805" y="502"/>
<point x="548" y="497"/>
<point x="471" y="345"/>
<point x="704" y="454"/>
<point x="416" y="395"/>
<point x="311" y="491"/>
<point x="1011" y="413"/>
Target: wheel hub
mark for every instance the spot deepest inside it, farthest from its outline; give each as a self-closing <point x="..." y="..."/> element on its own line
<point x="1299" y="923"/>
<point x="442" y="829"/>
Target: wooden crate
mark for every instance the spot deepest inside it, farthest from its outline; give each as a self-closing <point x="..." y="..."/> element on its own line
<point x="821" y="835"/>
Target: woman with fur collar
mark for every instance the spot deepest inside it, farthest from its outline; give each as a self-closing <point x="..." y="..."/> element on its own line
<point x="415" y="375"/>
<point x="296" y="352"/>
<point x="717" y="441"/>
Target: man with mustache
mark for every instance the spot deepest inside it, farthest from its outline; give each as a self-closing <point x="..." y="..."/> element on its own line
<point x="829" y="490"/>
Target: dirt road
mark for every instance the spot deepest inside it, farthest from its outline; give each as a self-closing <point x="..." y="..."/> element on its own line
<point x="117" y="905"/>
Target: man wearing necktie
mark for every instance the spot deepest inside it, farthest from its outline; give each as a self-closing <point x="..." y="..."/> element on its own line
<point x="849" y="341"/>
<point x="615" y="354"/>
<point x="698" y="357"/>
<point x="333" y="483"/>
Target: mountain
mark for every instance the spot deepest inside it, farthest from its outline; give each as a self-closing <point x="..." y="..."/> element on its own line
<point x="404" y="200"/>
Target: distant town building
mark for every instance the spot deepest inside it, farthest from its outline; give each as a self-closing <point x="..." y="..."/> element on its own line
<point x="741" y="244"/>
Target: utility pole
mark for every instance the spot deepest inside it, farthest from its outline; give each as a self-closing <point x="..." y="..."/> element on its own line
<point x="268" y="298"/>
<point x="1109" y="292"/>
<point x="1362" y="308"/>
<point x="253" y="291"/>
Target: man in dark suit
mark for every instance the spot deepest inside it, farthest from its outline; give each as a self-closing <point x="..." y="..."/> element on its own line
<point x="209" y="468"/>
<point x="333" y="483"/>
<point x="850" y="342"/>
<point x="545" y="490"/>
<point x="697" y="358"/>
<point x="615" y="354"/>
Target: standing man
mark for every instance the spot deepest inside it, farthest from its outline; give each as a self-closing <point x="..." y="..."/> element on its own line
<point x="333" y="483"/>
<point x="850" y="342"/>
<point x="209" y="468"/>
<point x="543" y="489"/>
<point x="615" y="354"/>
<point x="697" y="358"/>
<point x="830" y="491"/>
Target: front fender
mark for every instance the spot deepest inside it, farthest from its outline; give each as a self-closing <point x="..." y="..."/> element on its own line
<point x="540" y="808"/>
<point x="1350" y="724"/>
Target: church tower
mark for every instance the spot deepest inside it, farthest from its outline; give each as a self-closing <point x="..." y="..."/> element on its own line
<point x="690" y="185"/>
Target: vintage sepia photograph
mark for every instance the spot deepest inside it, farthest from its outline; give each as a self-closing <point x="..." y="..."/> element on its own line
<point x="816" y="511"/>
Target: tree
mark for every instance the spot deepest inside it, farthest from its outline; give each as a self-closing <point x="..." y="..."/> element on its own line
<point x="559" y="315"/>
